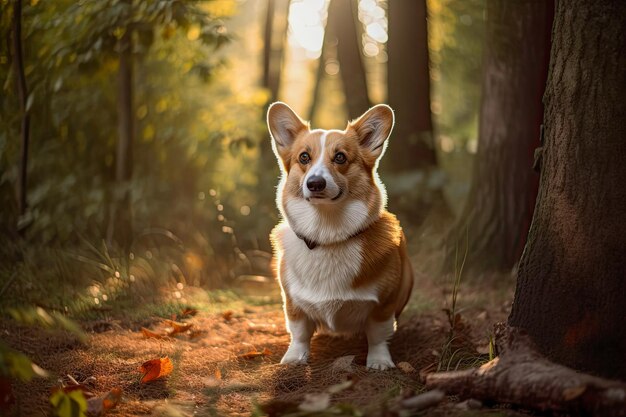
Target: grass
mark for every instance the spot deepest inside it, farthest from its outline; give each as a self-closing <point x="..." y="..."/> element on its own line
<point x="458" y="350"/>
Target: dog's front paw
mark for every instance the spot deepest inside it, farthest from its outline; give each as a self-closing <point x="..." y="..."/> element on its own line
<point x="378" y="357"/>
<point x="380" y="364"/>
<point x="296" y="354"/>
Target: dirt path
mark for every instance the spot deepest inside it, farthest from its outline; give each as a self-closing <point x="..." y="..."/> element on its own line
<point x="211" y="377"/>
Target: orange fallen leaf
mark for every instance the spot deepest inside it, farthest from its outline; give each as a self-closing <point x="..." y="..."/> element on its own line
<point x="218" y="374"/>
<point x="255" y="354"/>
<point x="97" y="406"/>
<point x="178" y="327"/>
<point x="112" y="398"/>
<point x="155" y="369"/>
<point x="227" y="315"/>
<point x="189" y="312"/>
<point x="148" y="334"/>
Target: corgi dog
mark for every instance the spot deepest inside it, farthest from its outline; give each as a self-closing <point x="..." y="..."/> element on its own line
<point x="341" y="257"/>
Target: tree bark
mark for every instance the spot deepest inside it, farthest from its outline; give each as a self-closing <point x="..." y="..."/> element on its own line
<point x="408" y="83"/>
<point x="500" y="204"/>
<point x="22" y="89"/>
<point x="274" y="35"/>
<point x="342" y="25"/>
<point x="120" y="224"/>
<point x="521" y="376"/>
<point x="571" y="280"/>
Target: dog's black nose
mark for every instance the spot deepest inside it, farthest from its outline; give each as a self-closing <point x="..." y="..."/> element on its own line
<point x="316" y="183"/>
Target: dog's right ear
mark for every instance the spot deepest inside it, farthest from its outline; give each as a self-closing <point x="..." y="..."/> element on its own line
<point x="285" y="126"/>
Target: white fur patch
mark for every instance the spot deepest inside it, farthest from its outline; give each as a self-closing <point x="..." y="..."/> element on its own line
<point x="326" y="225"/>
<point x="320" y="168"/>
<point x="319" y="281"/>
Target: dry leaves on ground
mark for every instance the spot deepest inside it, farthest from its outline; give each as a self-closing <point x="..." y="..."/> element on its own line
<point x="155" y="369"/>
<point x="255" y="354"/>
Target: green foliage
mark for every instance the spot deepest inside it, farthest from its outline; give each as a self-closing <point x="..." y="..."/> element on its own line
<point x="195" y="134"/>
<point x="69" y="404"/>
<point x="14" y="364"/>
<point x="456" y="37"/>
<point x="37" y="316"/>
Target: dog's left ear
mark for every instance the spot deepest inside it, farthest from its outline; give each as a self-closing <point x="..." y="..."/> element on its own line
<point x="373" y="129"/>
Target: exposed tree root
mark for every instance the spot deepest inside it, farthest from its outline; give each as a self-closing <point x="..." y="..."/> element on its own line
<point x="520" y="375"/>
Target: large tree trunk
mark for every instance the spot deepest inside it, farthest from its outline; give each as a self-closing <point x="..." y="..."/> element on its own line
<point x="120" y="224"/>
<point x="341" y="25"/>
<point x="408" y="83"/>
<point x="22" y="89"/>
<point x="571" y="284"/>
<point x="500" y="204"/>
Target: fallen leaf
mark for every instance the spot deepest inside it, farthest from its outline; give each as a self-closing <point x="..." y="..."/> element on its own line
<point x="315" y="402"/>
<point x="227" y="315"/>
<point x="189" y="312"/>
<point x="177" y="327"/>
<point x="112" y="398"/>
<point x="573" y="392"/>
<point x="255" y="354"/>
<point x="218" y="374"/>
<point x="343" y="363"/>
<point x="333" y="389"/>
<point x="155" y="369"/>
<point x="149" y="334"/>
<point x="406" y="367"/>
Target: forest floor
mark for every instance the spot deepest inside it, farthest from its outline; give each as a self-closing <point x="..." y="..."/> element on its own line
<point x="226" y="360"/>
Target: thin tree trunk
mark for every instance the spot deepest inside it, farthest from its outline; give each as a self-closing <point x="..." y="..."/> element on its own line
<point x="571" y="282"/>
<point x="267" y="41"/>
<point x="274" y="36"/>
<point x="342" y="25"/>
<point x="22" y="88"/>
<point x="408" y="83"/>
<point x="120" y="226"/>
<point x="500" y="204"/>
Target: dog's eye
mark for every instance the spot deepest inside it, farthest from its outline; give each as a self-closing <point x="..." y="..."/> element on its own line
<point x="340" y="158"/>
<point x="304" y="158"/>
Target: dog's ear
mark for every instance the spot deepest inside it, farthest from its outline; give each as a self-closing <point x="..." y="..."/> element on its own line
<point x="285" y="126"/>
<point x="373" y="129"/>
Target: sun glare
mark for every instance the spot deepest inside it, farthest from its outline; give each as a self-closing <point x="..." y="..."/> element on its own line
<point x="306" y="25"/>
<point x="307" y="20"/>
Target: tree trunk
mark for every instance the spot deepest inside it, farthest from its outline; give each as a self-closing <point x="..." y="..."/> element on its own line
<point x="22" y="89"/>
<point x="408" y="83"/>
<point x="274" y="35"/>
<point x="571" y="280"/>
<point x="500" y="204"/>
<point x="120" y="226"/>
<point x="342" y="25"/>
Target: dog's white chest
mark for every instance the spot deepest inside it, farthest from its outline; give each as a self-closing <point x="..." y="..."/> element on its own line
<point x="319" y="282"/>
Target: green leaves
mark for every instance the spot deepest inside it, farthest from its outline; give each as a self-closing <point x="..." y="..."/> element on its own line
<point x="69" y="404"/>
<point x="40" y="317"/>
<point x="14" y="364"/>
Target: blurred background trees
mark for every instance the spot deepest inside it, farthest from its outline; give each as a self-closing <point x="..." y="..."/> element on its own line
<point x="149" y="154"/>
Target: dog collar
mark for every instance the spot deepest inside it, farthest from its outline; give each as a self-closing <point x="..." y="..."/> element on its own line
<point x="311" y="244"/>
